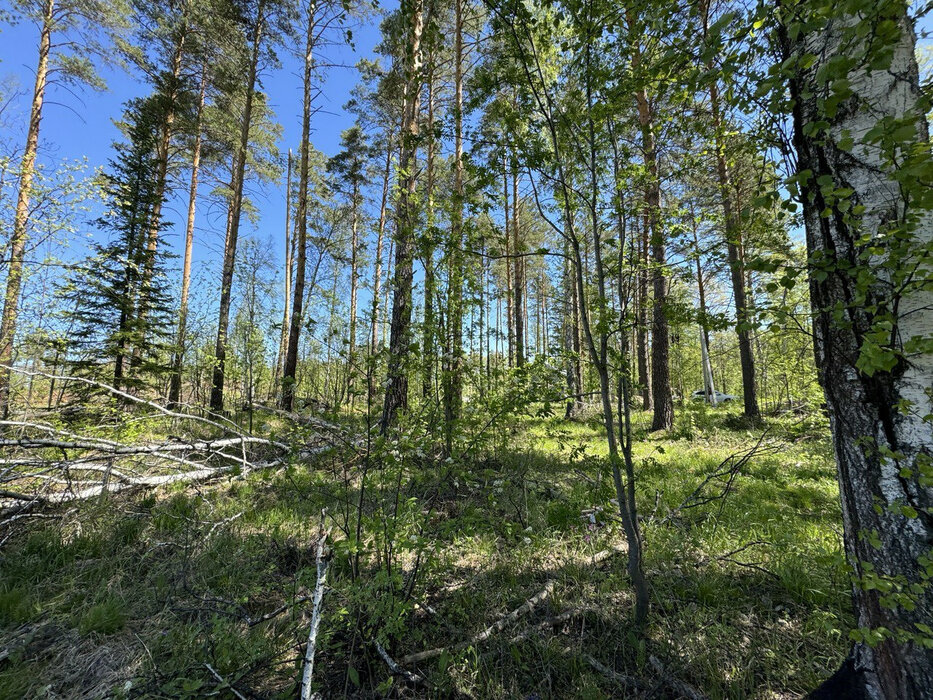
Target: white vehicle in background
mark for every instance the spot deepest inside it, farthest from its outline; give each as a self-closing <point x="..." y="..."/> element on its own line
<point x="720" y="397"/>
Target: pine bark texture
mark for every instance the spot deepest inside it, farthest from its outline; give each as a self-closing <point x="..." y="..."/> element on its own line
<point x="396" y="396"/>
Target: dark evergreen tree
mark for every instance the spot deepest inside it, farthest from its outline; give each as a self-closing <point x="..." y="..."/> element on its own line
<point x="121" y="303"/>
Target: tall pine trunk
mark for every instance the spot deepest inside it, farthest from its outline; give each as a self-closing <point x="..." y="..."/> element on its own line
<point x="380" y="238"/>
<point x="233" y="228"/>
<point x="14" y="280"/>
<point x="174" y="393"/>
<point x="509" y="277"/>
<point x="642" y="318"/>
<point x="453" y="384"/>
<point x="289" y="264"/>
<point x="518" y="279"/>
<point x="733" y="232"/>
<point x="736" y="264"/>
<point x="662" y="400"/>
<point x="396" y="396"/>
<point x="428" y="330"/>
<point x="290" y="369"/>
<point x="354" y="284"/>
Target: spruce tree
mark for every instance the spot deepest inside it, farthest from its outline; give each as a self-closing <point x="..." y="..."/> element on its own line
<point x="122" y="308"/>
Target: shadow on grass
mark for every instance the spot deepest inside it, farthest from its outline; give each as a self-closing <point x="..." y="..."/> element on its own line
<point x="142" y="593"/>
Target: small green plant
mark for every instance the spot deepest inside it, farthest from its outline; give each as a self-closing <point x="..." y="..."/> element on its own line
<point x="16" y="606"/>
<point x="106" y="617"/>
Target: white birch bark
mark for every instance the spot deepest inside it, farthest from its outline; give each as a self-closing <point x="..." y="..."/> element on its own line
<point x="881" y="419"/>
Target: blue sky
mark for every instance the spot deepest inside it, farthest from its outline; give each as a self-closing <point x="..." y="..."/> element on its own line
<point x="78" y="124"/>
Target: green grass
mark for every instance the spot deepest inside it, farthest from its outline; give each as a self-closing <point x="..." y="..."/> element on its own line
<point x="151" y="589"/>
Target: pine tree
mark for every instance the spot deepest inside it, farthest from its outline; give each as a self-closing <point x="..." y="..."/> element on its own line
<point x="348" y="169"/>
<point x="67" y="59"/>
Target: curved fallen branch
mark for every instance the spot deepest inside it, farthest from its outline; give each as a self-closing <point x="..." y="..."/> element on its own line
<point x="498" y="626"/>
<point x="680" y="687"/>
<point x="628" y="682"/>
<point x="397" y="670"/>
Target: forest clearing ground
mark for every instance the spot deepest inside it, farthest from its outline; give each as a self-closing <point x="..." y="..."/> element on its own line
<point x="141" y="593"/>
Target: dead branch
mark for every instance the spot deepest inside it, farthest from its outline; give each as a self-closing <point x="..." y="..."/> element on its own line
<point x="317" y="606"/>
<point x="113" y="448"/>
<point x="129" y="397"/>
<point x="397" y="670"/>
<point x="250" y="622"/>
<point x="628" y="682"/>
<point x="728" y="556"/>
<point x="62" y="476"/>
<point x="680" y="687"/>
<point x="498" y="626"/>
<point x="547" y="624"/>
<point x="605" y="554"/>
<point x="728" y="470"/>
<point x="224" y="682"/>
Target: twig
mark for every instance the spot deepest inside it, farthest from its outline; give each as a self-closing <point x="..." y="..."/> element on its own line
<point x="224" y="681"/>
<point x="318" y="598"/>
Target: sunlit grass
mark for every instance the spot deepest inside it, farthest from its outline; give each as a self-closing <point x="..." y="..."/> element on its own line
<point x="174" y="579"/>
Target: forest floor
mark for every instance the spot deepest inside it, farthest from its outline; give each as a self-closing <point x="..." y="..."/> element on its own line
<point x="204" y="590"/>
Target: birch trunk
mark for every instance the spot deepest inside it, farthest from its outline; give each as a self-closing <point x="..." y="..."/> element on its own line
<point x="879" y="412"/>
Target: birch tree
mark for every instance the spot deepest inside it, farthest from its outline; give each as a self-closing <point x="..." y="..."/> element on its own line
<point x="864" y="175"/>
